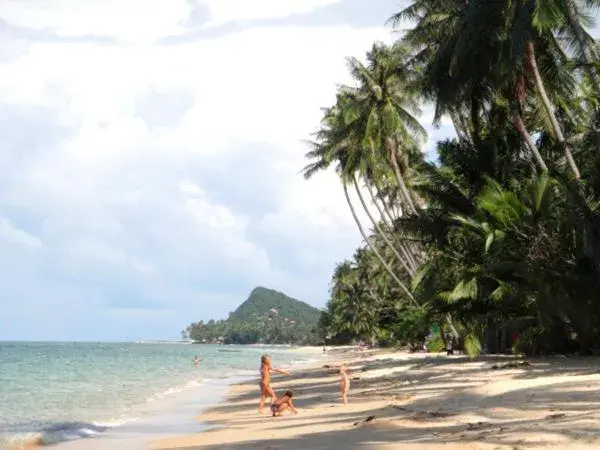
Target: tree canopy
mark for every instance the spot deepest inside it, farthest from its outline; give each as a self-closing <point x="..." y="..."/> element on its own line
<point x="496" y="237"/>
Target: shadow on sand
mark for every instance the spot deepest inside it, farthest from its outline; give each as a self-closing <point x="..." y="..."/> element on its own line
<point x="432" y="401"/>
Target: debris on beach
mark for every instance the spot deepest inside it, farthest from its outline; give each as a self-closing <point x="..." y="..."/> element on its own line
<point x="512" y="365"/>
<point x="423" y="415"/>
<point x="432" y="414"/>
<point x="367" y="420"/>
<point x="476" y="426"/>
<point x="406" y="396"/>
<point x="400" y="408"/>
<point x="555" y="416"/>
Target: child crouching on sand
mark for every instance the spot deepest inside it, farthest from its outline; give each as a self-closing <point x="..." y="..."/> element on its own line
<point x="344" y="383"/>
<point x="283" y="404"/>
<point x="265" y="381"/>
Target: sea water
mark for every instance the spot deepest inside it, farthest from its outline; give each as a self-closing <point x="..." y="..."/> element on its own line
<point x="54" y="392"/>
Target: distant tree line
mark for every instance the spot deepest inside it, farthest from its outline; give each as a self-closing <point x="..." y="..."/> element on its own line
<point x="264" y="329"/>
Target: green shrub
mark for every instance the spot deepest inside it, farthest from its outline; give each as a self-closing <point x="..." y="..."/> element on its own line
<point x="436" y="344"/>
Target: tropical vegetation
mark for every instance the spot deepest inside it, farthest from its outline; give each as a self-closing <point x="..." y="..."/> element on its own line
<point x="495" y="236"/>
<point x="266" y="317"/>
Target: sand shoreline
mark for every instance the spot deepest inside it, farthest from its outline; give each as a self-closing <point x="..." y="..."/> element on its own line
<point x="419" y="402"/>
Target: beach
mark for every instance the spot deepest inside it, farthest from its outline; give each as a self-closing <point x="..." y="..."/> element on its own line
<point x="414" y="401"/>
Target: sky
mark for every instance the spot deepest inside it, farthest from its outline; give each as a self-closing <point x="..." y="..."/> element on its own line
<point x="151" y="153"/>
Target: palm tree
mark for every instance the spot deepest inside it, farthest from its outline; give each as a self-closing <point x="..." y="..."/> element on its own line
<point x="503" y="231"/>
<point x="487" y="47"/>
<point x="337" y="143"/>
<point x="383" y="106"/>
<point x="355" y="306"/>
<point x="406" y="259"/>
<point x="374" y="248"/>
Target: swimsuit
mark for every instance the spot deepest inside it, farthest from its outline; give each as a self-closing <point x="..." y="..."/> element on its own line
<point x="275" y="408"/>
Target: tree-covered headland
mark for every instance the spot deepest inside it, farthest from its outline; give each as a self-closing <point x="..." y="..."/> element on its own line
<point x="266" y="317"/>
<point x="496" y="237"/>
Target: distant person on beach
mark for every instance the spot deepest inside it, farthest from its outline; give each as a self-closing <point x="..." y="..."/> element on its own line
<point x="196" y="360"/>
<point x="344" y="383"/>
<point x="283" y="404"/>
<point x="265" y="381"/>
<point x="449" y="347"/>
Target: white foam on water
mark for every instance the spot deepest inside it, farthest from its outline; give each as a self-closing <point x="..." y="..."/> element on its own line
<point x="47" y="434"/>
<point x="176" y="389"/>
<point x="55" y="433"/>
<point x="173" y="415"/>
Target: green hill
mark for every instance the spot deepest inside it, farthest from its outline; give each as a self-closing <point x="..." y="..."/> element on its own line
<point x="263" y="301"/>
<point x="267" y="316"/>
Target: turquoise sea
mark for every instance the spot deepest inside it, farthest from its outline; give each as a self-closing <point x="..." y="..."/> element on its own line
<point x="55" y="392"/>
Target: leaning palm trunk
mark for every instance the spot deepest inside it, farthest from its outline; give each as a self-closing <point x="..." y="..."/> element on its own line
<point x="460" y="126"/>
<point x="530" y="57"/>
<point x="402" y="185"/>
<point x="403" y="260"/>
<point x="397" y="212"/>
<point x="522" y="129"/>
<point x="457" y="125"/>
<point x="392" y="213"/>
<point x="411" y="249"/>
<point x="393" y="207"/>
<point x="399" y="178"/>
<point x="383" y="211"/>
<point x="390" y="223"/>
<point x="375" y="251"/>
<point x="407" y="250"/>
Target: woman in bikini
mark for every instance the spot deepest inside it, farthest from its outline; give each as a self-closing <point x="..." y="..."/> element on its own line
<point x="265" y="381"/>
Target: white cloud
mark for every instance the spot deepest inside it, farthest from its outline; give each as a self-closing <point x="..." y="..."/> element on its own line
<point x="231" y="10"/>
<point x="133" y="20"/>
<point x="164" y="179"/>
<point x="190" y="187"/>
<point x="98" y="250"/>
<point x="169" y="174"/>
<point x="14" y="235"/>
<point x="143" y="266"/>
<point x="217" y="217"/>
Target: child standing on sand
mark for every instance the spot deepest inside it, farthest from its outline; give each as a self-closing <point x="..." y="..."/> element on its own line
<point x="344" y="383"/>
<point x="282" y="404"/>
<point x="265" y="381"/>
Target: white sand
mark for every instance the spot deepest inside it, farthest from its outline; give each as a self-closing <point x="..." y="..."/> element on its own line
<point x="419" y="402"/>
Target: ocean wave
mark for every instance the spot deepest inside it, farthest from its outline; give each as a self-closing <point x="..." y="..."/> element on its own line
<point x="229" y="350"/>
<point x="22" y="435"/>
<point x="177" y="389"/>
<point x="26" y="435"/>
<point x="296" y="362"/>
